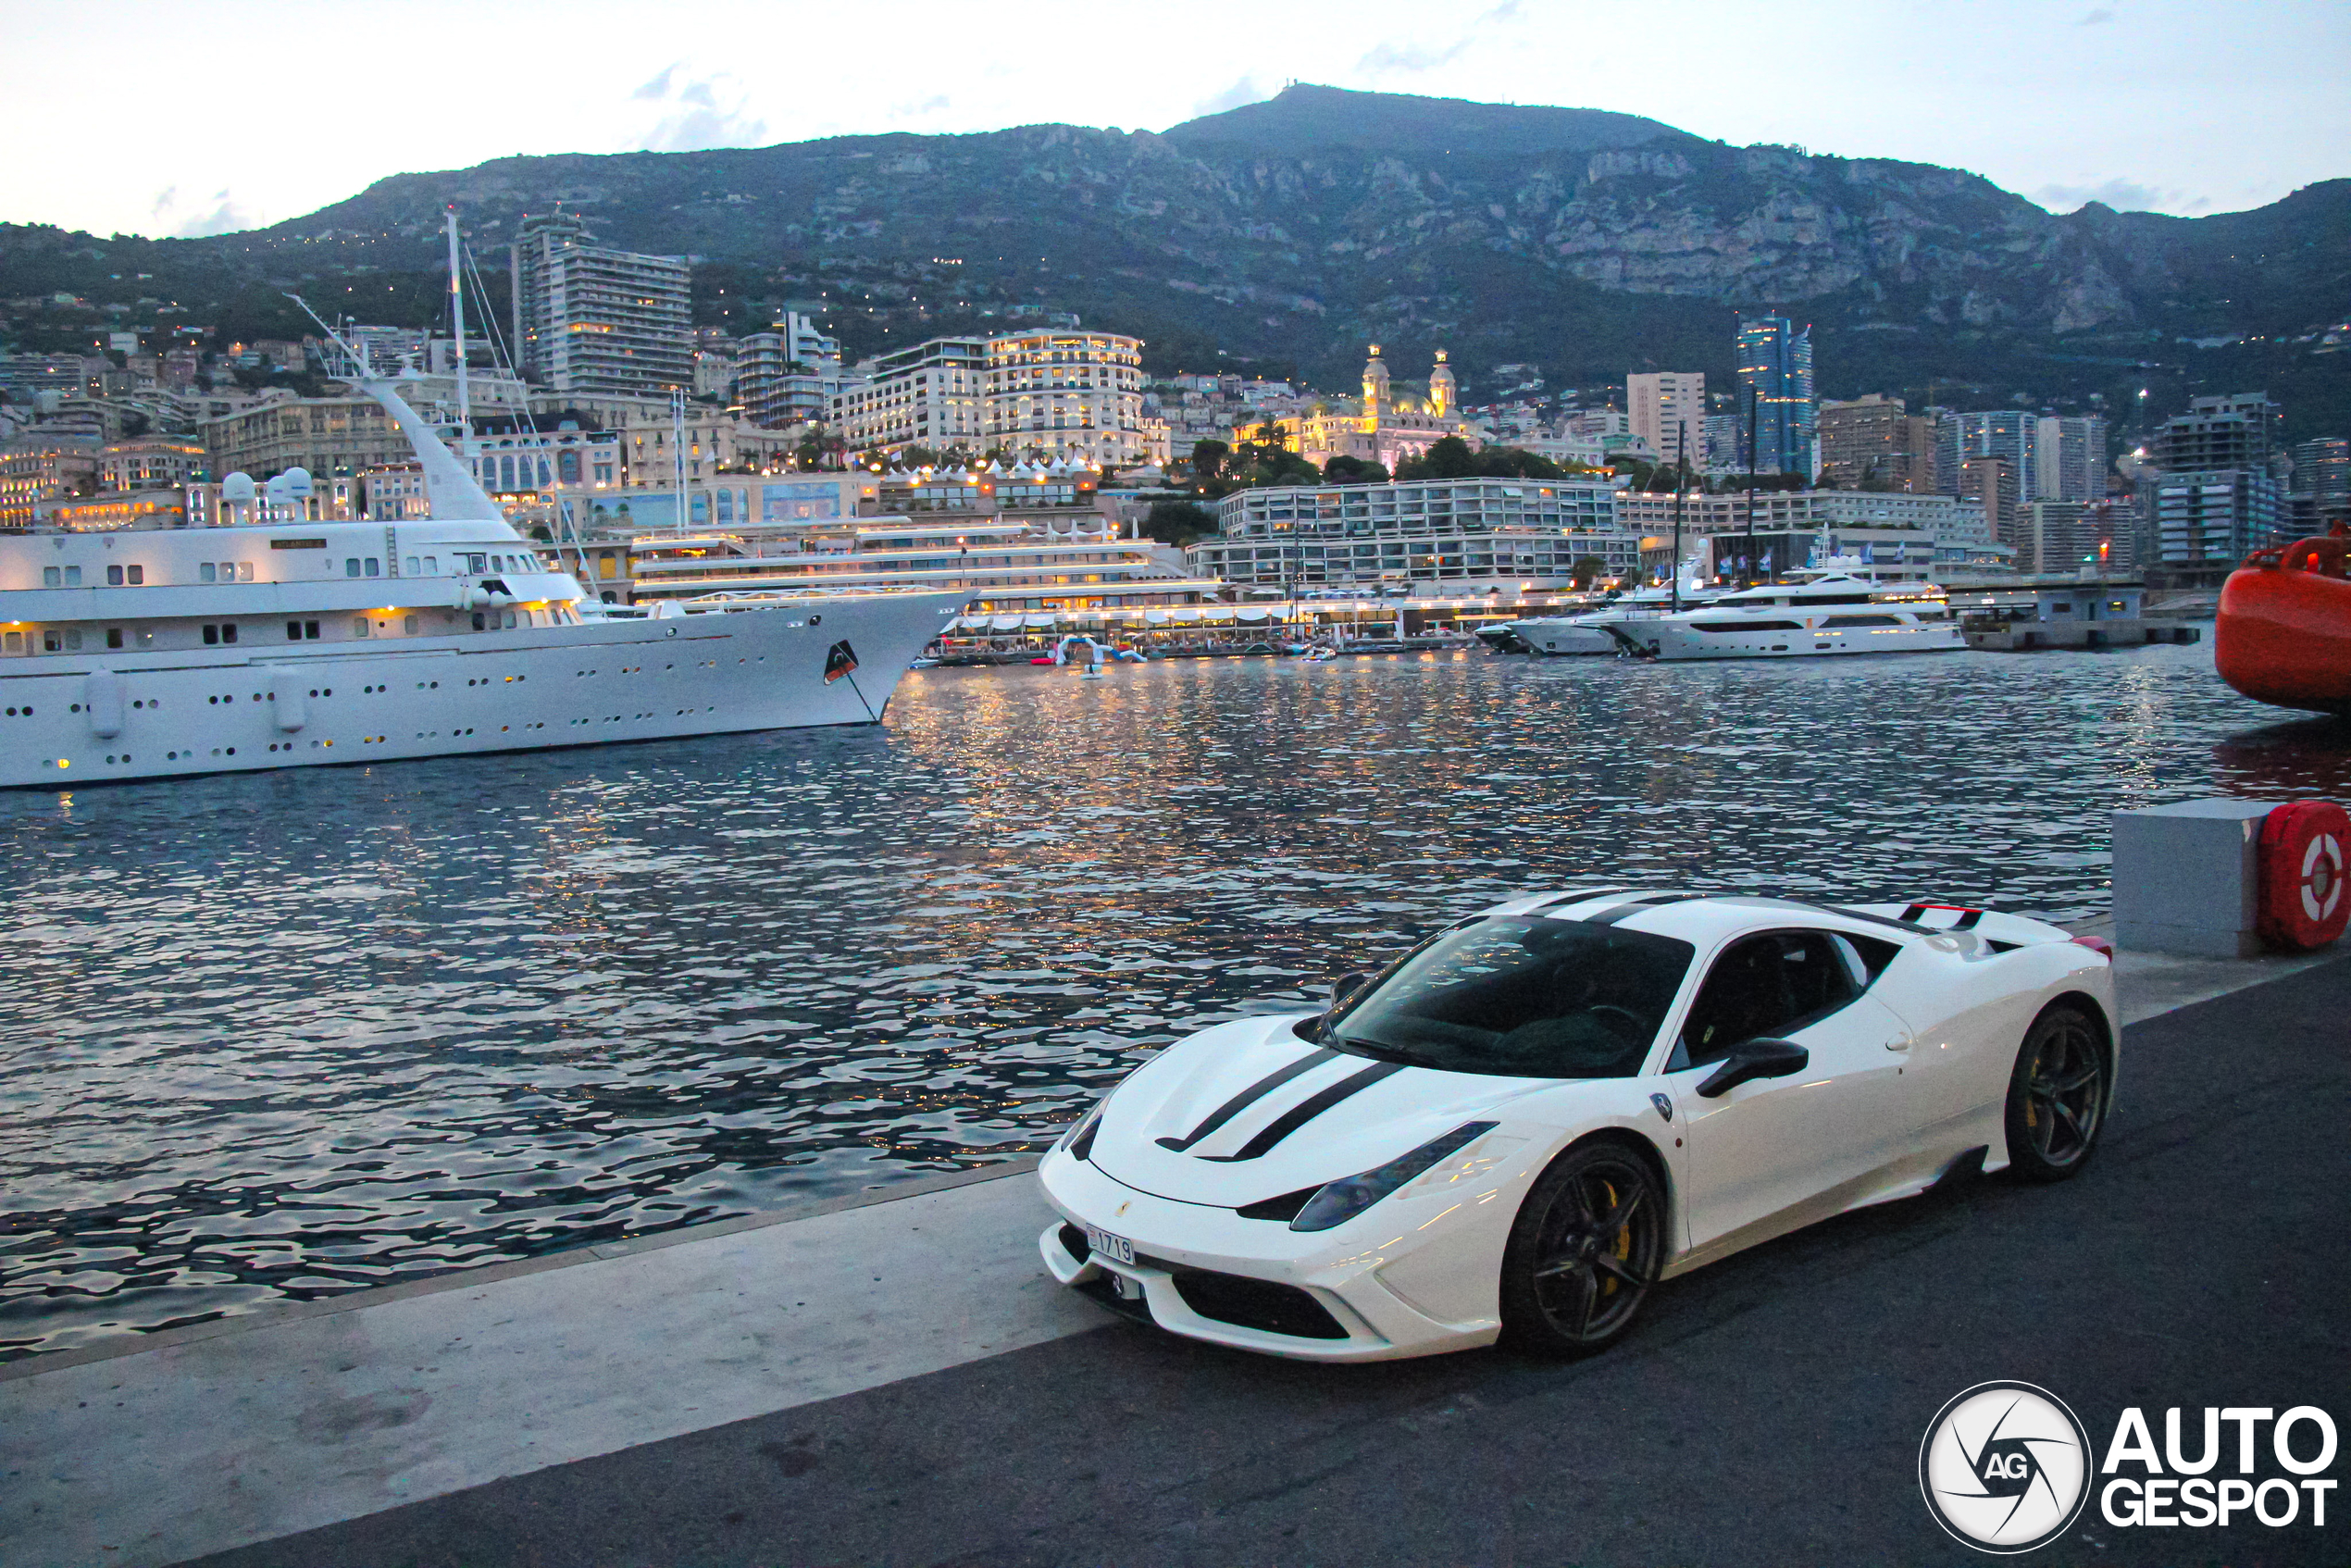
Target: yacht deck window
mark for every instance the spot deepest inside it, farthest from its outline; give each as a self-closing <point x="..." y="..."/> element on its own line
<point x="350" y="567"/>
<point x="114" y="637"/>
<point x="358" y="625"/>
<point x="1861" y="620"/>
<point x="51" y="577"/>
<point x="432" y="566"/>
<point x="413" y="564"/>
<point x="374" y="568"/>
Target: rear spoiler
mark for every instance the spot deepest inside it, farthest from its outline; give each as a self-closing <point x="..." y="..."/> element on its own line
<point x="2009" y="931"/>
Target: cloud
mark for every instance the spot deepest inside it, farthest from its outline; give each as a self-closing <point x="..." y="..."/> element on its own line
<point x="1410" y="58"/>
<point x="2096" y="18"/>
<point x="711" y="111"/>
<point x="219" y="215"/>
<point x="2122" y="195"/>
<point x="1247" y="90"/>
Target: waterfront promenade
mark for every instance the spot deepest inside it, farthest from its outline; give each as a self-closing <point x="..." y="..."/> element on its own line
<point x="895" y="1380"/>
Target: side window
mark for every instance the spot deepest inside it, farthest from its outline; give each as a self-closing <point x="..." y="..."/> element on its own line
<point x="1761" y="988"/>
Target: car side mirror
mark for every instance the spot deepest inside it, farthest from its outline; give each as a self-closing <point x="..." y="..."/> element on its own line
<point x="1756" y="1059"/>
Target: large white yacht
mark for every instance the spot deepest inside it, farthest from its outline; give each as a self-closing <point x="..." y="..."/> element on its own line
<point x="1591" y="632"/>
<point x="1810" y="614"/>
<point x="148" y="653"/>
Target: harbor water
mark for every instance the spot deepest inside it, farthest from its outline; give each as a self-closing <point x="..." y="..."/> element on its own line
<point x="278" y="1036"/>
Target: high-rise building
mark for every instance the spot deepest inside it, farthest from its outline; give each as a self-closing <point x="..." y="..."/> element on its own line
<point x="1875" y="442"/>
<point x="2321" y="491"/>
<point x="789" y="376"/>
<point x="2212" y="519"/>
<point x="2068" y="459"/>
<point x="1775" y="373"/>
<point x="1669" y="412"/>
<point x="2212" y="492"/>
<point x="1991" y="482"/>
<point x="588" y="319"/>
<point x="2071" y="535"/>
<point x="2237" y="430"/>
<point x="1727" y="442"/>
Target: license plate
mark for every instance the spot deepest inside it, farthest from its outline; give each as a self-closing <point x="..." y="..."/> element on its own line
<point x="1117" y="1248"/>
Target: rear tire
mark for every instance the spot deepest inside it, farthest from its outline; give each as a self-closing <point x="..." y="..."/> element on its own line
<point x="1584" y="1253"/>
<point x="2057" y="1094"/>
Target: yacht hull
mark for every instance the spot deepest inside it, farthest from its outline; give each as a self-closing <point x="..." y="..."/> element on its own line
<point x="1677" y="641"/>
<point x="73" y="719"/>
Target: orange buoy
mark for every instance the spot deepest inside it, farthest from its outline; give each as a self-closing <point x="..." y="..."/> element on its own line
<point x="2302" y="902"/>
<point x="2284" y="636"/>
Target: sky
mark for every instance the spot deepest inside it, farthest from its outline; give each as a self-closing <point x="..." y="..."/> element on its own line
<point x="199" y="116"/>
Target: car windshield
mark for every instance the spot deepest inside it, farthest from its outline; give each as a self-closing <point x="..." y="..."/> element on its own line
<point x="1516" y="997"/>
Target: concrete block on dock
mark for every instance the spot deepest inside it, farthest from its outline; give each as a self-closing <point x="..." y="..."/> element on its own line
<point x="2186" y="878"/>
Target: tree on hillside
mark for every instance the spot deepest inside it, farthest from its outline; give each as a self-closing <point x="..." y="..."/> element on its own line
<point x="1343" y="470"/>
<point x="1178" y="522"/>
<point x="1452" y="459"/>
<point x="1209" y="458"/>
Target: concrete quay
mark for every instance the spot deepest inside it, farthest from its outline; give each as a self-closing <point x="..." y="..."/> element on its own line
<point x="892" y="1378"/>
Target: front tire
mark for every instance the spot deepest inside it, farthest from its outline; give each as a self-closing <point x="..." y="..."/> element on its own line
<point x="1584" y="1253"/>
<point x="2056" y="1095"/>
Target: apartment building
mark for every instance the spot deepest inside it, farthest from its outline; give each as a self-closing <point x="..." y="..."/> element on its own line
<point x="1510" y="535"/>
<point x="1668" y="410"/>
<point x="590" y="319"/>
<point x="329" y="436"/>
<point x="1876" y="440"/>
<point x="1061" y="392"/>
<point x="933" y="394"/>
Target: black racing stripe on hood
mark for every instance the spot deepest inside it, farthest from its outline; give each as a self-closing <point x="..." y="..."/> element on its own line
<point x="1248" y="1098"/>
<point x="1309" y="1108"/>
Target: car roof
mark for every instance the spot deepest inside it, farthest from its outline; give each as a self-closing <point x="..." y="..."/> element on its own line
<point x="1698" y="919"/>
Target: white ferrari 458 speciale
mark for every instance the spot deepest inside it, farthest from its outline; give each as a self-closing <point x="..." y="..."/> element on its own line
<point x="1530" y="1119"/>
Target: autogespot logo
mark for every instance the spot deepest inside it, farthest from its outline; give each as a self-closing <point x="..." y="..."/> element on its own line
<point x="2005" y="1467"/>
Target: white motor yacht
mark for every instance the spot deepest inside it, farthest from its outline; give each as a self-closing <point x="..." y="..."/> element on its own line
<point x="145" y="654"/>
<point x="1810" y="614"/>
<point x="1590" y="632"/>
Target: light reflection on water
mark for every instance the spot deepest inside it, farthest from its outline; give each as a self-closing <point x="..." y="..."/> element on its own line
<point x="289" y="1034"/>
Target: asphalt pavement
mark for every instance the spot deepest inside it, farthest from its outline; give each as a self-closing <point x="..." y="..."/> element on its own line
<point x="1768" y="1411"/>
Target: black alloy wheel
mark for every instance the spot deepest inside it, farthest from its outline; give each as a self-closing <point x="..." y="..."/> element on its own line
<point x="1586" y="1248"/>
<point x="2056" y="1095"/>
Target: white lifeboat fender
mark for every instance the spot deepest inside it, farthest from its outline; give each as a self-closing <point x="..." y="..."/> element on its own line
<point x="463" y="598"/>
<point x="102" y="702"/>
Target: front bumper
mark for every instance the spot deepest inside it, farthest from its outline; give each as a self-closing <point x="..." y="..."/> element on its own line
<point x="1254" y="1285"/>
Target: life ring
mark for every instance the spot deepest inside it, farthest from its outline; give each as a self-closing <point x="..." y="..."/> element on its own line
<point x="2303" y="904"/>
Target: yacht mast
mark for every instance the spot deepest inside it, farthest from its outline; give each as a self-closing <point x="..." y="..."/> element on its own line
<point x="457" y="317"/>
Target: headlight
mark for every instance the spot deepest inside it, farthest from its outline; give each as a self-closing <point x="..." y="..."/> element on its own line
<point x="1341" y="1200"/>
<point x="1079" y="1140"/>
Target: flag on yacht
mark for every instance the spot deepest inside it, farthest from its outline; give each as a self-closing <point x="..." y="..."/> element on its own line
<point x="839" y="659"/>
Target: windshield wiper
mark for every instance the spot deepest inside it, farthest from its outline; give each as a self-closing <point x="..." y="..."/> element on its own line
<point x="1380" y="1053"/>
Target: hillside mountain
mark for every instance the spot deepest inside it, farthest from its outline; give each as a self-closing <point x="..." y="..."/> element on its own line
<point x="1293" y="231"/>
